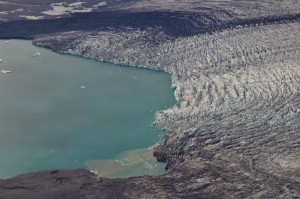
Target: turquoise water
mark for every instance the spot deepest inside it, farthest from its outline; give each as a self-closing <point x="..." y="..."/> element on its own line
<point x="62" y="111"/>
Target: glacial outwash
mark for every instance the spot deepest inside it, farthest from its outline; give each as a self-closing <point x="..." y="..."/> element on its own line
<point x="235" y="66"/>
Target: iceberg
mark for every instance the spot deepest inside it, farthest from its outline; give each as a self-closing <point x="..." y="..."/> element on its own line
<point x="5" y="71"/>
<point x="36" y="54"/>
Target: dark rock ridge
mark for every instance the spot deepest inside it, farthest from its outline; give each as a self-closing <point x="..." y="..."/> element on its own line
<point x="235" y="131"/>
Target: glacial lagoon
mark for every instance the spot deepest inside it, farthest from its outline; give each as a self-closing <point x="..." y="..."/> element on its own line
<point x="62" y="112"/>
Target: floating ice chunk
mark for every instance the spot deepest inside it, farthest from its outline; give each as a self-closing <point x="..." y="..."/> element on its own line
<point x="135" y="77"/>
<point x="36" y="54"/>
<point x="82" y="86"/>
<point x="0" y="60"/>
<point x="5" y="71"/>
<point x="174" y="86"/>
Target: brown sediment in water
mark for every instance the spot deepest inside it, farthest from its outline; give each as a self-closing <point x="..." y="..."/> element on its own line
<point x="131" y="163"/>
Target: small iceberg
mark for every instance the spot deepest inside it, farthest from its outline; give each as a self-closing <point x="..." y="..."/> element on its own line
<point x="36" y="54"/>
<point x="174" y="86"/>
<point x="5" y="71"/>
<point x="82" y="87"/>
<point x="0" y="60"/>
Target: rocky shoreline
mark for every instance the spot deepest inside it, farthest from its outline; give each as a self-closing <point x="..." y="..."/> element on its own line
<point x="234" y="132"/>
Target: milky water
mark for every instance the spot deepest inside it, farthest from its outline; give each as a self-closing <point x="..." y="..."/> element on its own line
<point x="61" y="111"/>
